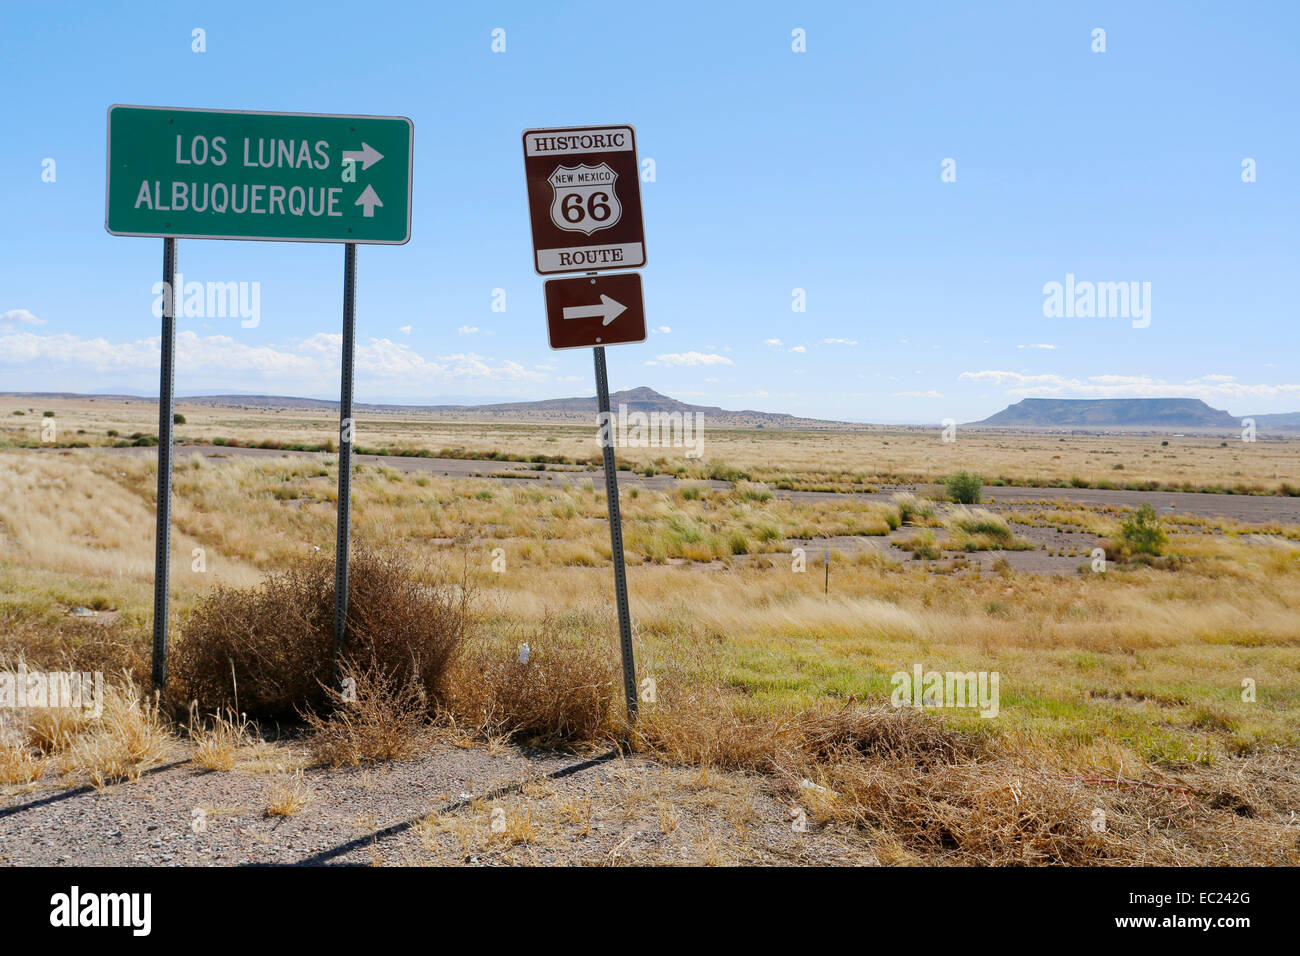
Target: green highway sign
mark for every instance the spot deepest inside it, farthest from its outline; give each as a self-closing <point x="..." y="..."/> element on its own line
<point x="230" y="174"/>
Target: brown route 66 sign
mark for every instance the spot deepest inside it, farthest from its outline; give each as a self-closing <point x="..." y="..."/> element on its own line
<point x="584" y="199"/>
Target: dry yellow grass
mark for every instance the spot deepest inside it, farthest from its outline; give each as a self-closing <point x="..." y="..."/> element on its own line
<point x="287" y="798"/>
<point x="116" y="736"/>
<point x="127" y="739"/>
<point x="1131" y="675"/>
<point x="383" y="721"/>
<point x="18" y="764"/>
<point x="220" y="745"/>
<point x="812" y="459"/>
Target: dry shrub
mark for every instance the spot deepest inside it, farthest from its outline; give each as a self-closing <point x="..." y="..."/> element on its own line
<point x="126" y="739"/>
<point x="706" y="728"/>
<point x="920" y="788"/>
<point x="889" y="770"/>
<point x="18" y="765"/>
<point x="383" y="721"/>
<point x="894" y="733"/>
<point x="567" y="693"/>
<point x="970" y="811"/>
<point x="217" y="746"/>
<point x="287" y="798"/>
<point x="1013" y="809"/>
<point x="74" y="644"/>
<point x="52" y="730"/>
<point x="267" y="651"/>
<point x="265" y="648"/>
<point x="925" y="792"/>
<point x="703" y="728"/>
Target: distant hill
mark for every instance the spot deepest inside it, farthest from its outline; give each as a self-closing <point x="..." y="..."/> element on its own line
<point x="1105" y="414"/>
<point x="579" y="409"/>
<point x="1283" y="420"/>
<point x="640" y="399"/>
<point x="1125" y="413"/>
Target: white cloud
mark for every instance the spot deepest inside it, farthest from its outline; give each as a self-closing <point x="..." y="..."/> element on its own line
<point x="219" y="361"/>
<point x="20" y="317"/>
<point x="467" y="329"/>
<point x="1037" y="346"/>
<point x="693" y="358"/>
<point x="840" y="341"/>
<point x="776" y="343"/>
<point x="405" y="330"/>
<point x="930" y="394"/>
<point x="662" y="330"/>
<point x="1209" y="388"/>
<point x="799" y="348"/>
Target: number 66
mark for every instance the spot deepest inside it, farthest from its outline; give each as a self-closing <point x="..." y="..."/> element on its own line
<point x="597" y="207"/>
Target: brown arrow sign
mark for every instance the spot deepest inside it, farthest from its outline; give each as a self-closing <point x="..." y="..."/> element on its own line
<point x="587" y="311"/>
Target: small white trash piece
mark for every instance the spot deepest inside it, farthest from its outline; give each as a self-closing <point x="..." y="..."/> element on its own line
<point x="807" y="784"/>
<point x="523" y="653"/>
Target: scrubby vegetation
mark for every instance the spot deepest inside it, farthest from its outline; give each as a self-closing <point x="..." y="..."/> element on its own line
<point x="1142" y="533"/>
<point x="267" y="651"/>
<point x="842" y="461"/>
<point x="381" y="716"/>
<point x="913" y="510"/>
<point x="117" y="741"/>
<point x="977" y="529"/>
<point x="1121" y="692"/>
<point x="964" y="487"/>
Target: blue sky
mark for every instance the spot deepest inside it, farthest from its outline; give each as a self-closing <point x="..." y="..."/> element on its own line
<point x="774" y="171"/>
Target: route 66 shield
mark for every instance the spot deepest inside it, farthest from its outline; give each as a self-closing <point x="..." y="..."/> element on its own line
<point x="585" y="199"/>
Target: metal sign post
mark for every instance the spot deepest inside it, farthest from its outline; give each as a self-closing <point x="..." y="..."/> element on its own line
<point x="346" y="432"/>
<point x="166" y="423"/>
<point x="176" y="172"/>
<point x="616" y="534"/>
<point x="584" y="205"/>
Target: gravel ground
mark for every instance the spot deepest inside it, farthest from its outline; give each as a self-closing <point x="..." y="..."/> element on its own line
<point x="435" y="809"/>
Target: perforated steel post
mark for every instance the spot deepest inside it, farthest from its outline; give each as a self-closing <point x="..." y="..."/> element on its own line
<point x="346" y="432"/>
<point x="616" y="534"/>
<point x="166" y="420"/>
